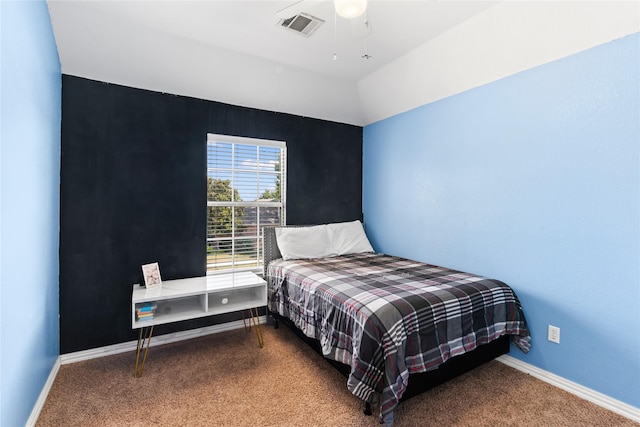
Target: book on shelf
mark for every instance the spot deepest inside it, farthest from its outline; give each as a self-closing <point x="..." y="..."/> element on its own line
<point x="146" y="311"/>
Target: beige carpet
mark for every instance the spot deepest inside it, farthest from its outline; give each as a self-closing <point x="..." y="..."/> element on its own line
<point x="227" y="380"/>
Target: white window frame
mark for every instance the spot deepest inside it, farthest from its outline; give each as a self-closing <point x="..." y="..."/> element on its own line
<point x="236" y="140"/>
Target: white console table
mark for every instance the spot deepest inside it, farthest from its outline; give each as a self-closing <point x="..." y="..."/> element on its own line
<point x="191" y="298"/>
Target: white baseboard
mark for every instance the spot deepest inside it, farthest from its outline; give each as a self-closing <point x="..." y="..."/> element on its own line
<point x="593" y="396"/>
<point x="122" y="348"/>
<point x="155" y="341"/>
<point x="35" y="412"/>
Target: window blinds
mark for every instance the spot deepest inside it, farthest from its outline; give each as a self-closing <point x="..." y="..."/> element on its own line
<point x="246" y="180"/>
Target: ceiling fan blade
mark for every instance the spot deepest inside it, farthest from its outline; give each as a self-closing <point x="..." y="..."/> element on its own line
<point x="291" y="10"/>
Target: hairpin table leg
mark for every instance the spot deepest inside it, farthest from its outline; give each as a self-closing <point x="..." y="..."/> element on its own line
<point x="144" y="335"/>
<point x="255" y="319"/>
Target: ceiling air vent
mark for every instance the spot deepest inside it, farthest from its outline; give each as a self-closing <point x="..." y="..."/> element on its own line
<point x="301" y="23"/>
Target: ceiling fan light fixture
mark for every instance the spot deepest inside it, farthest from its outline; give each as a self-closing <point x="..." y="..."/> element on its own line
<point x="350" y="8"/>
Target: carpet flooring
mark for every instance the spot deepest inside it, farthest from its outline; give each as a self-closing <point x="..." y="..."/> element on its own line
<point x="227" y="380"/>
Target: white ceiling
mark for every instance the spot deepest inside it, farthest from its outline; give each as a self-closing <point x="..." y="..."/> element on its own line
<point x="251" y="27"/>
<point x="234" y="51"/>
<point x="133" y="43"/>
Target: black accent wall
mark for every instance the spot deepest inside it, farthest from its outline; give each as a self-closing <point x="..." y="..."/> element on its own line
<point x="133" y="191"/>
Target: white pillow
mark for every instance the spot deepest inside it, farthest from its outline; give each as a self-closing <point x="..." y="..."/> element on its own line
<point x="304" y="242"/>
<point x="348" y="238"/>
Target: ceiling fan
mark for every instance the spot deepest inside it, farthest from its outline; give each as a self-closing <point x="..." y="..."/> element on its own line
<point x="300" y="18"/>
<point x="345" y="8"/>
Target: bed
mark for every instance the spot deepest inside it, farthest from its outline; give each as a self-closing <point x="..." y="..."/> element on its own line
<point x="394" y="326"/>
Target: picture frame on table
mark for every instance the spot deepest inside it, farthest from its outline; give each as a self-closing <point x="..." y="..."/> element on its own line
<point x="151" y="274"/>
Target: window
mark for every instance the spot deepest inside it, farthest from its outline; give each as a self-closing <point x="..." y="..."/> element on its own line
<point x="246" y="180"/>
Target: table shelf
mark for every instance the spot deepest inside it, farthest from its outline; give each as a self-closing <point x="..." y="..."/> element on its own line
<point x="240" y="299"/>
<point x="191" y="298"/>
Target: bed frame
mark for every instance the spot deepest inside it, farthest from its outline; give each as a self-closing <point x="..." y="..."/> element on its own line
<point x="419" y="382"/>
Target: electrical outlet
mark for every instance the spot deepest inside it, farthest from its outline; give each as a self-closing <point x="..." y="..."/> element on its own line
<point x="554" y="334"/>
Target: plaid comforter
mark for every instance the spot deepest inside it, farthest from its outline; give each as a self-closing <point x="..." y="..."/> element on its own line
<point x="387" y="317"/>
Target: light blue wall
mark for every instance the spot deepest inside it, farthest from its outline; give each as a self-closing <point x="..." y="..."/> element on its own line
<point x="29" y="202"/>
<point x="534" y="180"/>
